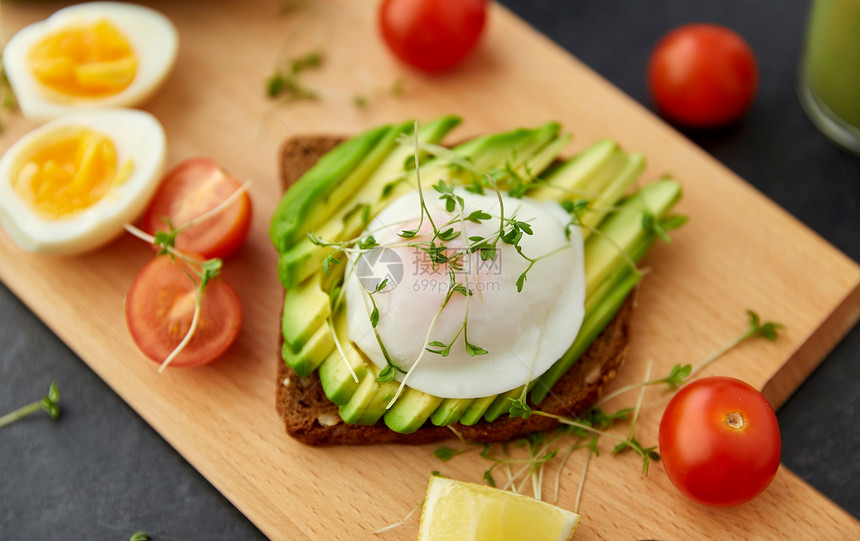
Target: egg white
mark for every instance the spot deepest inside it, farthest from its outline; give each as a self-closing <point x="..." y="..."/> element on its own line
<point x="137" y="136"/>
<point x="523" y="332"/>
<point x="151" y="35"/>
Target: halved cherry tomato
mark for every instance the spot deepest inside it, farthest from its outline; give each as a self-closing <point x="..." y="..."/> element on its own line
<point x="702" y="75"/>
<point x="719" y="441"/>
<point x="188" y="191"/>
<point x="432" y="35"/>
<point x="159" y="309"/>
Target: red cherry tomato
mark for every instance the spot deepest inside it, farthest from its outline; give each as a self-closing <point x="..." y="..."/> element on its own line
<point x="432" y="35"/>
<point x="702" y="75"/>
<point x="188" y="191"/>
<point x="159" y="309"/>
<point x="719" y="441"/>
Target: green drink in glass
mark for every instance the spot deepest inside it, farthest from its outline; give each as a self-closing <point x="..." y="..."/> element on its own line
<point x="830" y="71"/>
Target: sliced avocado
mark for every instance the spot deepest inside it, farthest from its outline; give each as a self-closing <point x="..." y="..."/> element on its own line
<point x="570" y="179"/>
<point x="602" y="291"/>
<point x="632" y="167"/>
<point x="306" y="308"/>
<point x="379" y="404"/>
<point x="502" y="404"/>
<point x="336" y="377"/>
<point x="313" y="353"/>
<point x="476" y="410"/>
<point x="303" y="257"/>
<point x="450" y="411"/>
<point x="352" y="411"/>
<point x="411" y="410"/>
<point x="304" y="199"/>
<point x="370" y="400"/>
<point x="621" y="229"/>
<point x="526" y="152"/>
<point x="297" y="218"/>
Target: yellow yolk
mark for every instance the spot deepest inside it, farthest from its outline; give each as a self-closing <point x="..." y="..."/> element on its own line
<point x="70" y="175"/>
<point x="91" y="60"/>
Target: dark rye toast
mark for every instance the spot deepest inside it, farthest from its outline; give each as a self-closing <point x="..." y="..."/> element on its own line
<point x="312" y="419"/>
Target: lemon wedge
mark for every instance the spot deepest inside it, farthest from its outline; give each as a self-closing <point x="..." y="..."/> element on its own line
<point x="455" y="510"/>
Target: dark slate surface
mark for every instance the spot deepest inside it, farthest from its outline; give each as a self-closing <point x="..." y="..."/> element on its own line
<point x="102" y="473"/>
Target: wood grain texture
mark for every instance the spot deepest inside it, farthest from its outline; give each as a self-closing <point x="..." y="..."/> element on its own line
<point x="738" y="251"/>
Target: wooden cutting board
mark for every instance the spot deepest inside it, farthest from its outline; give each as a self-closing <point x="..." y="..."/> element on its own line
<point x="738" y="251"/>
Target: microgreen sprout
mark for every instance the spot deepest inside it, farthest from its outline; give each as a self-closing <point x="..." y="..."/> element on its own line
<point x="445" y="453"/>
<point x="681" y="373"/>
<point x="647" y="453"/>
<point x="755" y="328"/>
<point x="329" y="260"/>
<point x="285" y="81"/>
<point x="374" y="314"/>
<point x="631" y="442"/>
<point x="139" y="536"/>
<point x="660" y="227"/>
<point x="49" y="404"/>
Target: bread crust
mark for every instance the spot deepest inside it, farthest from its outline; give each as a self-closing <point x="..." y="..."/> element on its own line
<point x="312" y="419"/>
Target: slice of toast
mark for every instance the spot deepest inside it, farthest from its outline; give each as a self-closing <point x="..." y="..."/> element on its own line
<point x="312" y="419"/>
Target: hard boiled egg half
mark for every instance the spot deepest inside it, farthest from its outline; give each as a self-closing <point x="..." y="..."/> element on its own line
<point x="519" y="332"/>
<point x="72" y="184"/>
<point x="91" y="55"/>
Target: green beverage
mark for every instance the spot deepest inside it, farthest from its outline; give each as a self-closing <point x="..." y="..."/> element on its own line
<point x="830" y="75"/>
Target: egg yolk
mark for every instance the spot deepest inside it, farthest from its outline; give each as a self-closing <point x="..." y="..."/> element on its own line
<point x="93" y="60"/>
<point x="68" y="176"/>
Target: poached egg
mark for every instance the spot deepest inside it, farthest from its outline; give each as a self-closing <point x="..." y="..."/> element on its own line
<point x="515" y="336"/>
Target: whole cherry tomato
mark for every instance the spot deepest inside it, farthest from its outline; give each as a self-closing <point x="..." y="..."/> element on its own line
<point x="702" y="75"/>
<point x="432" y="35"/>
<point x="719" y="441"/>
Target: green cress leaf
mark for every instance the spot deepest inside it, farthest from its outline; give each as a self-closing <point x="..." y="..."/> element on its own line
<point x="368" y="242"/>
<point x="474" y="350"/>
<point x="449" y="234"/>
<point x="521" y="280"/>
<point x="460" y="288"/>
<point x="478" y="216"/>
<point x="519" y="409"/>
<point x="209" y="269"/>
<point x="328" y="261"/>
<point x="445" y="453"/>
<point x="386" y="374"/>
<point x="488" y="476"/>
<point x="768" y="330"/>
